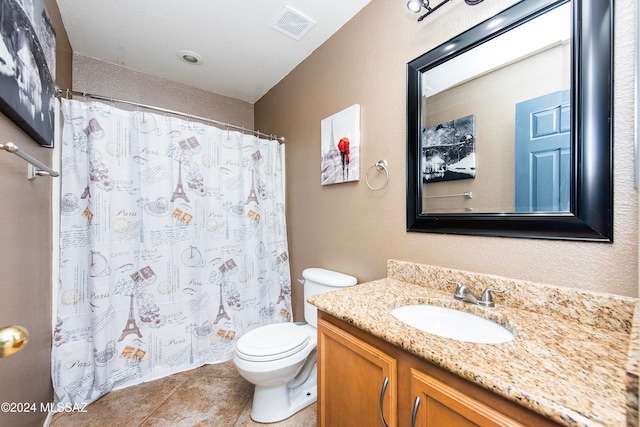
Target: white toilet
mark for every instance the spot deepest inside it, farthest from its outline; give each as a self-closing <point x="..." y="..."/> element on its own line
<point x="280" y="359"/>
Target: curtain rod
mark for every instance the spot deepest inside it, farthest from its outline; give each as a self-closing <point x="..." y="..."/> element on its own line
<point x="68" y="92"/>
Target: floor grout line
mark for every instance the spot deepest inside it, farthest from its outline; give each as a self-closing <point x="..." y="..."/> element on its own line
<point x="246" y="407"/>
<point x="169" y="396"/>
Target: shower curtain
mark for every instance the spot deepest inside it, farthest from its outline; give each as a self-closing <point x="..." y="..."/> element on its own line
<point x="172" y="245"/>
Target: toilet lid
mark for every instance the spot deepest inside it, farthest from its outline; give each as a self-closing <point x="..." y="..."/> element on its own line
<point x="271" y="342"/>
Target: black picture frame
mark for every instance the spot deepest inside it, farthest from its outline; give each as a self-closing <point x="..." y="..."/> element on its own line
<point x="458" y="138"/>
<point x="590" y="217"/>
<point x="27" y="68"/>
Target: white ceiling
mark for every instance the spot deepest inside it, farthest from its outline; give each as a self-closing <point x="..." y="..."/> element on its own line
<point x="242" y="56"/>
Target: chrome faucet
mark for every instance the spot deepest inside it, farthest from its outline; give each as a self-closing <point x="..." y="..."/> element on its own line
<point x="463" y="293"/>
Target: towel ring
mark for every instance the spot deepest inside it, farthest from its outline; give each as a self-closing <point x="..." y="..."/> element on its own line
<point x="381" y="166"/>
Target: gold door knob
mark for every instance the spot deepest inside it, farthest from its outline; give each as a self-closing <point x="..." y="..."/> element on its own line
<point x="12" y="339"/>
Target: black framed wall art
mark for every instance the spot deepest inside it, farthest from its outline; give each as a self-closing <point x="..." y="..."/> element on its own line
<point x="27" y="67"/>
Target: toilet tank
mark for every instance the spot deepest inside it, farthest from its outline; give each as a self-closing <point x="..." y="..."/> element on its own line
<point x="319" y="281"/>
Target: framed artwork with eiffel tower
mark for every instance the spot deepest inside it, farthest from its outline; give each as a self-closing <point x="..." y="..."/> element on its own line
<point x="340" y="146"/>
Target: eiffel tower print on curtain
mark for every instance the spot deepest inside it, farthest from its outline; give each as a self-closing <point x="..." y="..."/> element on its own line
<point x="179" y="192"/>
<point x="131" y="327"/>
<point x="252" y="193"/>
<point x="256" y="158"/>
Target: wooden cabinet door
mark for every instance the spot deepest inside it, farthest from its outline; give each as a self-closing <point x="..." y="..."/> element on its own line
<point x="351" y="374"/>
<point x="442" y="405"/>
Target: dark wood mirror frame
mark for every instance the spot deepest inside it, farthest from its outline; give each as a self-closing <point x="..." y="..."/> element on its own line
<point x="590" y="217"/>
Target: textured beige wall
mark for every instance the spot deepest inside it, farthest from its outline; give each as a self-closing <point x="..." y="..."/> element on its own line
<point x="25" y="259"/>
<point x="93" y="76"/>
<point x="348" y="228"/>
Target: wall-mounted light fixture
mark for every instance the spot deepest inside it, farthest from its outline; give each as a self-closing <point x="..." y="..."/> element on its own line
<point x="416" y="6"/>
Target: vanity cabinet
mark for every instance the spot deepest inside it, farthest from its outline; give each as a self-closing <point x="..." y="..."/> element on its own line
<point x="357" y="381"/>
<point x="362" y="379"/>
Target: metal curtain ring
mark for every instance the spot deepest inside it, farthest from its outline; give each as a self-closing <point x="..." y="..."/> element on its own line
<point x="381" y="166"/>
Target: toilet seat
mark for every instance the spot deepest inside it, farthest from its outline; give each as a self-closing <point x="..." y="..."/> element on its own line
<point x="271" y="342"/>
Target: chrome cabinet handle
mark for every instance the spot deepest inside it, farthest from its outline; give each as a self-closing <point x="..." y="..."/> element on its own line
<point x="416" y="403"/>
<point x="385" y="383"/>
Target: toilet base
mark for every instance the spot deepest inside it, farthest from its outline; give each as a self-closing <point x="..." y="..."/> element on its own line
<point x="273" y="404"/>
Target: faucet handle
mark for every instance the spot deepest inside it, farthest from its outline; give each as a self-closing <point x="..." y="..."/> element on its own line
<point x="460" y="289"/>
<point x="487" y="298"/>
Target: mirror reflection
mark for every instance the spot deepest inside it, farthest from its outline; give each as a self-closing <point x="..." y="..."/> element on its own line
<point x="496" y="123"/>
<point x="465" y="173"/>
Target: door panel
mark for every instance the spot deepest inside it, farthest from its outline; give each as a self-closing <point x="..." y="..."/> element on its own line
<point x="543" y="153"/>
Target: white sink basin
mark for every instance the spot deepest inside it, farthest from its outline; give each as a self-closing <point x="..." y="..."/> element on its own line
<point x="453" y="324"/>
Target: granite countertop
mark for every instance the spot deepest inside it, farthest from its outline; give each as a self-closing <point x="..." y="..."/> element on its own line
<point x="569" y="360"/>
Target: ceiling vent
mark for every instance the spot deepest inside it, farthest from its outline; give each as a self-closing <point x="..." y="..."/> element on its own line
<point x="292" y="23"/>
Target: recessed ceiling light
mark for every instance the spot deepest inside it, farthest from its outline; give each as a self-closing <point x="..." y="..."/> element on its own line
<point x="189" y="57"/>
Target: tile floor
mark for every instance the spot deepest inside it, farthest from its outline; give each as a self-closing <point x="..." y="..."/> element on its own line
<point x="212" y="395"/>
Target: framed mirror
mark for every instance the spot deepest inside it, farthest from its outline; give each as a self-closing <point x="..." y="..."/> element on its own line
<point x="509" y="126"/>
